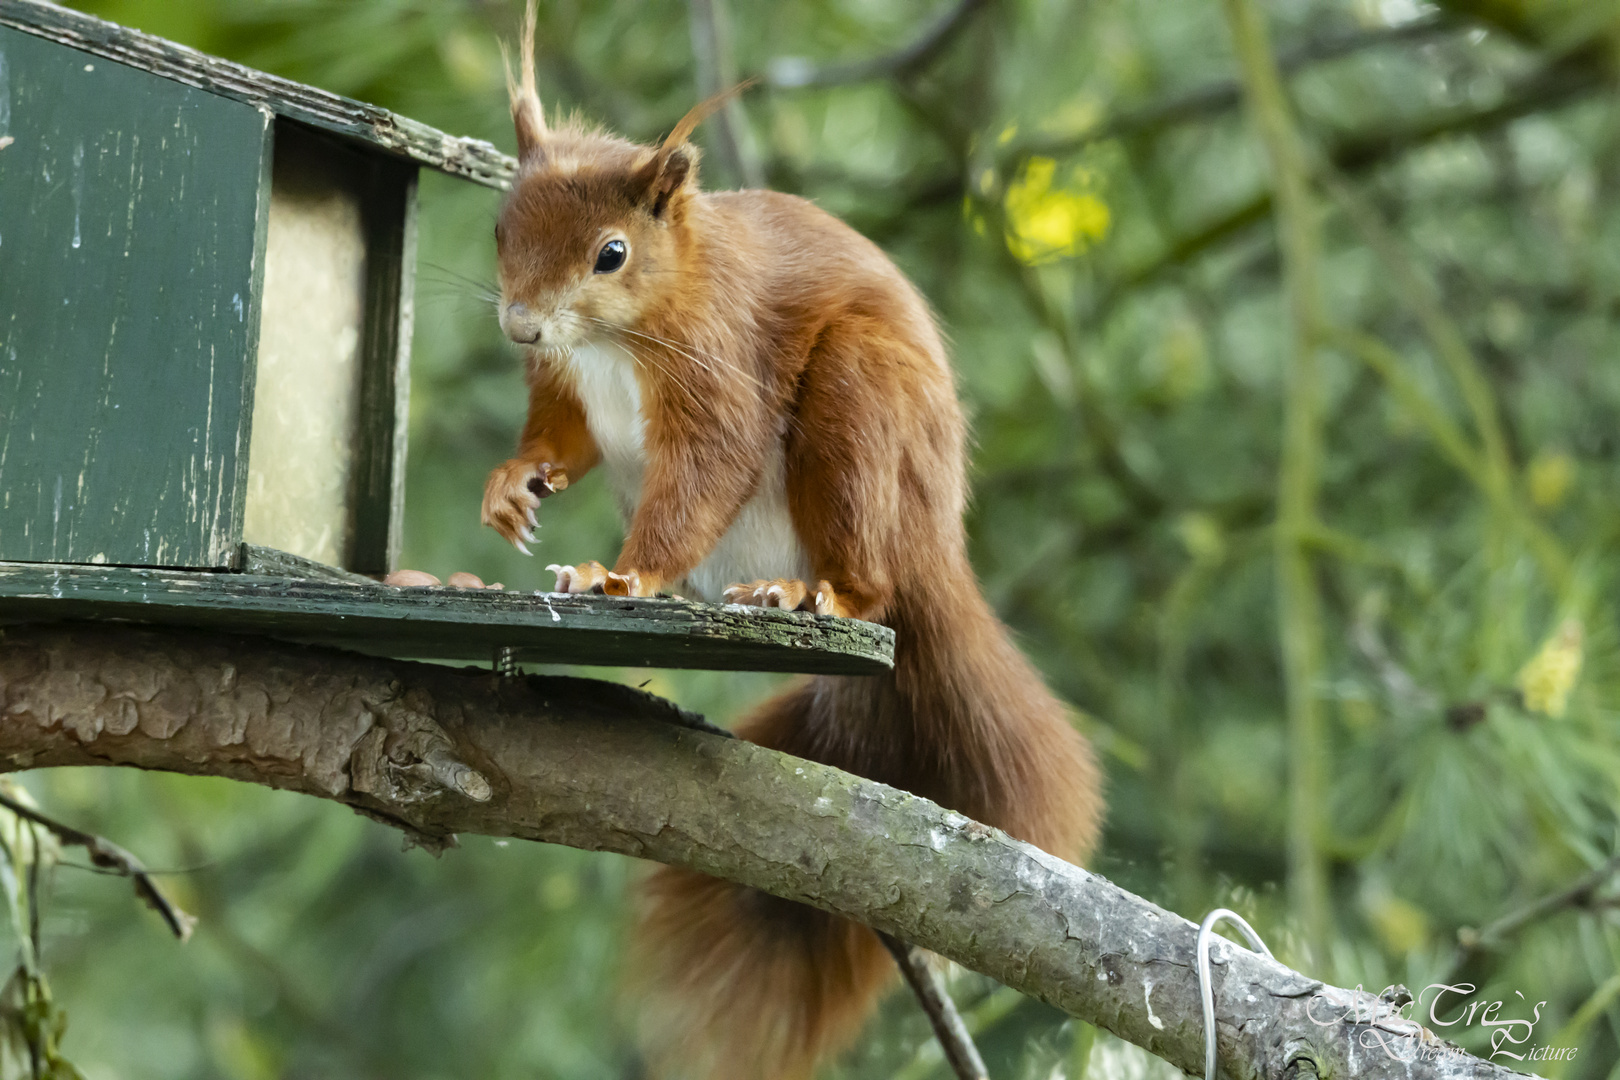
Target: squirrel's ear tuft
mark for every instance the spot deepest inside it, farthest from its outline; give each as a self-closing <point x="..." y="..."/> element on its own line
<point x="527" y="117"/>
<point x="699" y="112"/>
<point x="674" y="163"/>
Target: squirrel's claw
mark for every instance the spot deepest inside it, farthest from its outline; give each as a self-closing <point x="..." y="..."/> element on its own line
<point x="593" y="577"/>
<point x="786" y="594"/>
<point x="587" y="577"/>
<point x="626" y="584"/>
<point x="512" y="495"/>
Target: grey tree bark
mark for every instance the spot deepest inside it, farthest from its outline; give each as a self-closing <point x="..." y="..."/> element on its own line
<point x="436" y="751"/>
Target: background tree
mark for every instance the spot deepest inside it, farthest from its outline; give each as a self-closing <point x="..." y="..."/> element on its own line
<point x="1084" y="193"/>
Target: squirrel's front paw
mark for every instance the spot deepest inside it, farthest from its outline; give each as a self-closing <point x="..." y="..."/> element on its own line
<point x="593" y="577"/>
<point x="512" y="495"/>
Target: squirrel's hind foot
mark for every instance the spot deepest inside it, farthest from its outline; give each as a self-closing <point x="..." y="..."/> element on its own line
<point x="593" y="577"/>
<point x="785" y="593"/>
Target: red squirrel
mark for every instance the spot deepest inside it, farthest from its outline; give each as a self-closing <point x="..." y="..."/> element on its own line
<point x="771" y="400"/>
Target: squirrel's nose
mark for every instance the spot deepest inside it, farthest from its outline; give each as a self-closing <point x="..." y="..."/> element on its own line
<point x="520" y="324"/>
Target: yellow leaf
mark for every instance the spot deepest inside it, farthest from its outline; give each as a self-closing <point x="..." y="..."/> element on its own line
<point x="1549" y="676"/>
<point x="1550" y="476"/>
<point x="1047" y="221"/>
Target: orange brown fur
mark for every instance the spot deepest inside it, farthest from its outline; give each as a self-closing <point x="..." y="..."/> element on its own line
<point x="764" y="330"/>
<point x="555" y="446"/>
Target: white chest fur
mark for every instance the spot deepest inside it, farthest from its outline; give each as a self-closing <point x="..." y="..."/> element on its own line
<point x="760" y="542"/>
<point x="605" y="380"/>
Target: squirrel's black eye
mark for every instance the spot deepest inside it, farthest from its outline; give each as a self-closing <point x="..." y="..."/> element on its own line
<point x="611" y="257"/>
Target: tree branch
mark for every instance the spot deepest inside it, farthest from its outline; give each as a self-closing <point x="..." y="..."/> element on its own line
<point x="1553" y="86"/>
<point x="1299" y="605"/>
<point x="1578" y="894"/>
<point x="710" y="24"/>
<point x="949" y="1030"/>
<point x="436" y="751"/>
<point x="108" y="857"/>
<point x="797" y="73"/>
<point x="1227" y="94"/>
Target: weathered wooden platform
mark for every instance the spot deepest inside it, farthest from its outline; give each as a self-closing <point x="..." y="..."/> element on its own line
<point x="451" y="624"/>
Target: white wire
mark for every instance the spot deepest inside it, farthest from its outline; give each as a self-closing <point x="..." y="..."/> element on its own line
<point x="1206" y="991"/>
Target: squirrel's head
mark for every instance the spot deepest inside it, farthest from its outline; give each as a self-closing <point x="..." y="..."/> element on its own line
<point x="590" y="236"/>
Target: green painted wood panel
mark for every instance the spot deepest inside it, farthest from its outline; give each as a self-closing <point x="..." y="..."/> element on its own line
<point x="453" y="624"/>
<point x="131" y="208"/>
<point x="400" y="136"/>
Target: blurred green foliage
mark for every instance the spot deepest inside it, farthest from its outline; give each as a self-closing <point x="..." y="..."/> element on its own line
<point x="1079" y="191"/>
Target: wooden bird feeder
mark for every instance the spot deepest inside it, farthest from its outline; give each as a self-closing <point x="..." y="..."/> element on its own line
<point x="205" y="324"/>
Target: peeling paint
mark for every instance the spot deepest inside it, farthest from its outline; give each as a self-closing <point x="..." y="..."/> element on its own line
<point x="138" y="494"/>
<point x="78" y="190"/>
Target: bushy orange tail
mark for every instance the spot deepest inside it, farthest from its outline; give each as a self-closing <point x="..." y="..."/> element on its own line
<point x="743" y="986"/>
<point x="737" y="985"/>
